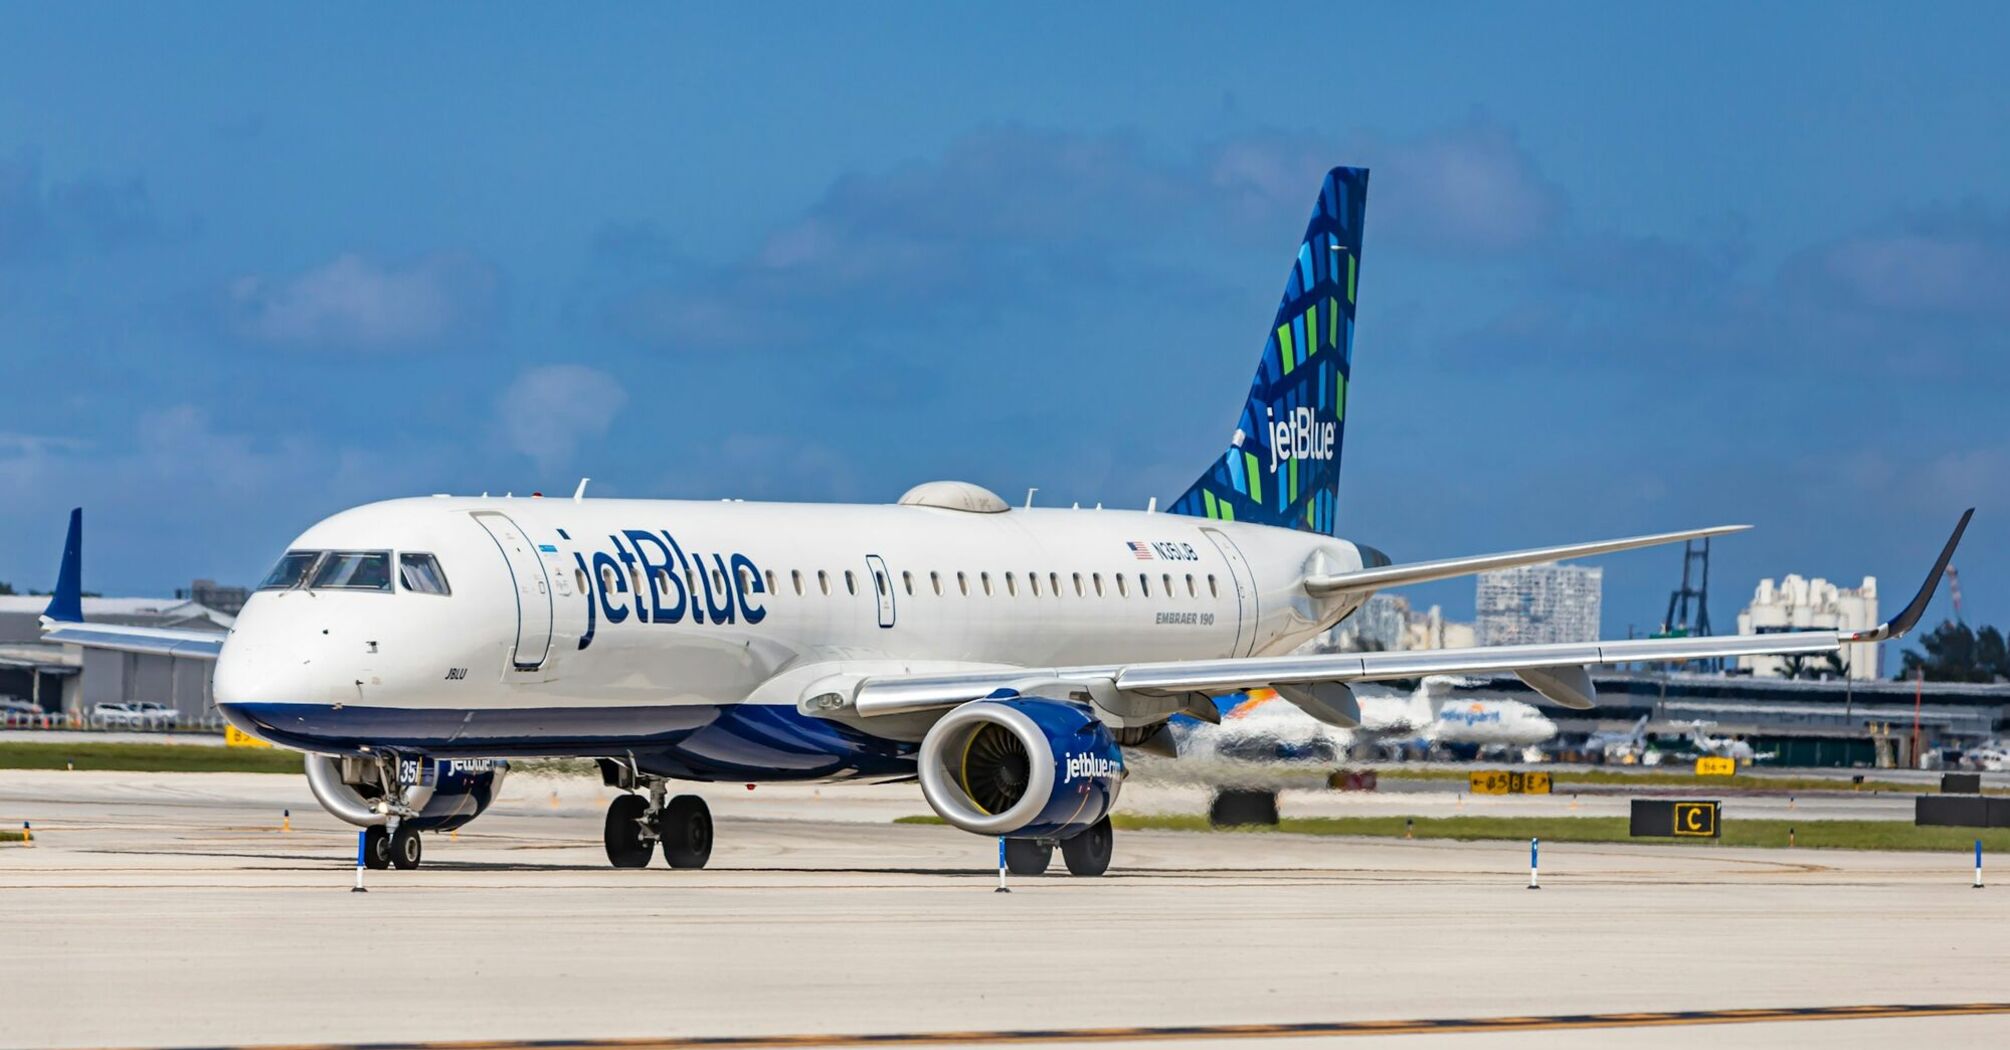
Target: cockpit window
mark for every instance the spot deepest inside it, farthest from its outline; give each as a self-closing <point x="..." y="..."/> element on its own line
<point x="292" y="569"/>
<point x="420" y="573"/>
<point x="354" y="571"/>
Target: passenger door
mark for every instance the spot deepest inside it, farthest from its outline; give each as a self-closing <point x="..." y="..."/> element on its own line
<point x="533" y="591"/>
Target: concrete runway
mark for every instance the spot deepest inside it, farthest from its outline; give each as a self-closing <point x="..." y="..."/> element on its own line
<point x="168" y="910"/>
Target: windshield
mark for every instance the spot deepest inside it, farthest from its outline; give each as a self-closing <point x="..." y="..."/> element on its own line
<point x="292" y="568"/>
<point x="354" y="570"/>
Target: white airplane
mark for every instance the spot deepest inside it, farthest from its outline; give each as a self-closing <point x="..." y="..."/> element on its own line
<point x="1004" y="657"/>
<point x="1723" y="746"/>
<point x="1262" y="726"/>
<point x="1619" y="748"/>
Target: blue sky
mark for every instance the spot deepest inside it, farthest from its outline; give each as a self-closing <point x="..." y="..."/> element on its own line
<point x="1624" y="270"/>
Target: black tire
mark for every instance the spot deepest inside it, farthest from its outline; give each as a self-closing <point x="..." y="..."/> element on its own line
<point x="1234" y="808"/>
<point x="376" y="847"/>
<point x="1028" y="856"/>
<point x="686" y="828"/>
<point x="627" y="847"/>
<point x="1088" y="853"/>
<point x="406" y="848"/>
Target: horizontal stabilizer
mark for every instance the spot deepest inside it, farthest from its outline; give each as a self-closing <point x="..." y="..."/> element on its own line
<point x="1378" y="577"/>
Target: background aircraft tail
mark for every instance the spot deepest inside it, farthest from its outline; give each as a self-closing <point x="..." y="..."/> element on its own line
<point x="1282" y="466"/>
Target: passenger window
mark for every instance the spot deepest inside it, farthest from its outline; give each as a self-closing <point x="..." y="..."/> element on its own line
<point x="824" y="581"/>
<point x="354" y="571"/>
<point x="660" y="579"/>
<point x="985" y="579"/>
<point x="879" y="582"/>
<point x="746" y="579"/>
<point x="796" y="577"/>
<point x="1211" y="592"/>
<point x="935" y="581"/>
<point x="1033" y="582"/>
<point x="1167" y="580"/>
<point x="1054" y="583"/>
<point x="718" y="582"/>
<point x="1144" y="585"/>
<point x="607" y="578"/>
<point x="963" y="585"/>
<point x="1098" y="577"/>
<point x="1078" y="585"/>
<point x="291" y="570"/>
<point x="635" y="578"/>
<point x="1122" y="591"/>
<point x="580" y="576"/>
<point x="420" y="573"/>
<point x="1190" y="591"/>
<point x="907" y="582"/>
<point x="1011" y="588"/>
<point x="850" y="582"/>
<point x="770" y="573"/>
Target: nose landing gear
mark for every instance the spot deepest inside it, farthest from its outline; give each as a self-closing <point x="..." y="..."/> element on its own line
<point x="635" y="825"/>
<point x="384" y="847"/>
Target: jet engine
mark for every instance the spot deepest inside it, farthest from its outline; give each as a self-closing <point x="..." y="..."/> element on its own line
<point x="1023" y="768"/>
<point x="433" y="794"/>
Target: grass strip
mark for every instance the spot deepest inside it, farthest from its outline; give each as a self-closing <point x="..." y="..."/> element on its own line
<point x="1808" y="834"/>
<point x="148" y="758"/>
<point x="1562" y="779"/>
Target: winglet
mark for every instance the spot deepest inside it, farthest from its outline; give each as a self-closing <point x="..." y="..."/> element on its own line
<point x="1897" y="626"/>
<point x="66" y="605"/>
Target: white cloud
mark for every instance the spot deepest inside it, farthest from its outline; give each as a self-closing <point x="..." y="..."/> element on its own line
<point x="549" y="410"/>
<point x="353" y="303"/>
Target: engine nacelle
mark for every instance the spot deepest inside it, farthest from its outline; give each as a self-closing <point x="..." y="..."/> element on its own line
<point x="445" y="793"/>
<point x="1027" y="768"/>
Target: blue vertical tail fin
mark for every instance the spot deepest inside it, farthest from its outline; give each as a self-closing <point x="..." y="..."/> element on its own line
<point x="1282" y="466"/>
<point x="66" y="604"/>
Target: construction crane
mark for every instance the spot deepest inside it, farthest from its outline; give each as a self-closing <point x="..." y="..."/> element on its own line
<point x="1678" y="623"/>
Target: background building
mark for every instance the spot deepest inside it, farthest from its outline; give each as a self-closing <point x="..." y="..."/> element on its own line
<point x="1385" y="623"/>
<point x="1797" y="604"/>
<point x="69" y="680"/>
<point x="1536" y="604"/>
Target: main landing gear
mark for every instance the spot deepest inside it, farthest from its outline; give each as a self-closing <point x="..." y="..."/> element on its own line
<point x="385" y="848"/>
<point x="1086" y="854"/>
<point x="635" y="825"/>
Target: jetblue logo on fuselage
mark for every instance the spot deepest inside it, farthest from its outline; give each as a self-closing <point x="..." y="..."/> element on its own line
<point x="1095" y="767"/>
<point x="652" y="578"/>
<point x="1300" y="435"/>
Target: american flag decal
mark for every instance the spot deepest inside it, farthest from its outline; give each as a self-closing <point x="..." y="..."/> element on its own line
<point x="1140" y="551"/>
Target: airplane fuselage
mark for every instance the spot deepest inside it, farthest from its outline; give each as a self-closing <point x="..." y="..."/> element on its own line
<point x="688" y="633"/>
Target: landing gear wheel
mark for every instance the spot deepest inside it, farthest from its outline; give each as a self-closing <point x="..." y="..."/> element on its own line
<point x="627" y="847"/>
<point x="686" y="829"/>
<point x="1028" y="856"/>
<point x="405" y="848"/>
<point x="1089" y="852"/>
<point x="376" y="847"/>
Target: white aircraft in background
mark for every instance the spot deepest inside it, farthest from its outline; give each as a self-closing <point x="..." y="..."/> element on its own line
<point x="1723" y="746"/>
<point x="1262" y="726"/>
<point x="1004" y="657"/>
<point x="1618" y="748"/>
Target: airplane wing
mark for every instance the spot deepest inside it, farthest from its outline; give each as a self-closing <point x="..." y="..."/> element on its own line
<point x="1377" y="577"/>
<point x="1558" y="672"/>
<point x="63" y="620"/>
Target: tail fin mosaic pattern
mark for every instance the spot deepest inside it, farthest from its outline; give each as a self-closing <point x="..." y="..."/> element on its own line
<point x="1282" y="466"/>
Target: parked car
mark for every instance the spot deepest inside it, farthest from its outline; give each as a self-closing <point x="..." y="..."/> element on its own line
<point x="139" y="714"/>
<point x="16" y="712"/>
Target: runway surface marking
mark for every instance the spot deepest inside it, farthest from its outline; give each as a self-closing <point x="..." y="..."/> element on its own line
<point x="1559" y="1022"/>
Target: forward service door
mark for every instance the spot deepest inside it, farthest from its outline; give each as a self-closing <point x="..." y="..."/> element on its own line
<point x="533" y="590"/>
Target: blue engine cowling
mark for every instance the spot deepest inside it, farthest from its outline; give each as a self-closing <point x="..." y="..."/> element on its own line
<point x="1024" y="768"/>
